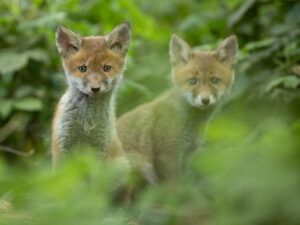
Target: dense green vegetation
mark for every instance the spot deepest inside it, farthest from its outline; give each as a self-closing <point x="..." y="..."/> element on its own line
<point x="248" y="172"/>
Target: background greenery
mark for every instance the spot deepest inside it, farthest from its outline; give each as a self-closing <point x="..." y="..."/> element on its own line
<point x="247" y="173"/>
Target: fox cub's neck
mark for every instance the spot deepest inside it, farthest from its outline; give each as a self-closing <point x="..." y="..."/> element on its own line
<point x="192" y="119"/>
<point x="86" y="120"/>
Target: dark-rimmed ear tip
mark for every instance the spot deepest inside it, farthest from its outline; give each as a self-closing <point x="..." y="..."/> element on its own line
<point x="174" y="37"/>
<point x="60" y="27"/>
<point x="232" y="38"/>
<point x="126" y="23"/>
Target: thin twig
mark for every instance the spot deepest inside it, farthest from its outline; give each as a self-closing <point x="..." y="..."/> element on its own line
<point x="14" y="151"/>
<point x="16" y="122"/>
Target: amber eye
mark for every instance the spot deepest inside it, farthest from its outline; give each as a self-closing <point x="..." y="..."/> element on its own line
<point x="192" y="81"/>
<point x="215" y="80"/>
<point x="106" y="68"/>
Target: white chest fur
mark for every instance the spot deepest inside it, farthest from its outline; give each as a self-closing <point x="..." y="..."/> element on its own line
<point x="85" y="120"/>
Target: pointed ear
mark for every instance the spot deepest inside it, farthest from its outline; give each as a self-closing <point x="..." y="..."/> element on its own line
<point x="180" y="51"/>
<point x="226" y="52"/>
<point x="119" y="38"/>
<point x="67" y="41"/>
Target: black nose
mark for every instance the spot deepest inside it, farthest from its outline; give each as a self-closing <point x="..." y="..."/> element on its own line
<point x="95" y="90"/>
<point x="205" y="101"/>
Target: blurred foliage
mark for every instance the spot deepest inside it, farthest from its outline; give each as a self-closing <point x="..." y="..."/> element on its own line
<point x="248" y="171"/>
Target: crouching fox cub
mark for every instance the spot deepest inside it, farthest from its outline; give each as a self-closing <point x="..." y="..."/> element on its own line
<point x="85" y="113"/>
<point x="160" y="134"/>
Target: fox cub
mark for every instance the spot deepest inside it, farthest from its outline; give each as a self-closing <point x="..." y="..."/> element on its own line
<point x="158" y="135"/>
<point x="85" y="114"/>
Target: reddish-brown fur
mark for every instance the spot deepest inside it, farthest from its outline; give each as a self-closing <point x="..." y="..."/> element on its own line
<point x="203" y="66"/>
<point x="96" y="53"/>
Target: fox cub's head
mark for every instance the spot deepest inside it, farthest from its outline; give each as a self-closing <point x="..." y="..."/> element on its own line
<point x="93" y="65"/>
<point x="203" y="77"/>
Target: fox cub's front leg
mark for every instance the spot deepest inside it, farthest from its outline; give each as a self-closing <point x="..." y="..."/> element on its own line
<point x="115" y="152"/>
<point x="56" y="148"/>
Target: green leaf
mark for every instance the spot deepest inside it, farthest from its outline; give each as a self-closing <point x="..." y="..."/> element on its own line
<point x="37" y="54"/>
<point x="12" y="61"/>
<point x="240" y="12"/>
<point x="293" y="16"/>
<point x="49" y="20"/>
<point x="259" y="44"/>
<point x="190" y="22"/>
<point x="291" y="81"/>
<point x="28" y="104"/>
<point x="138" y="87"/>
<point x="273" y="84"/>
<point x="6" y="107"/>
<point x="287" y="81"/>
<point x="23" y="91"/>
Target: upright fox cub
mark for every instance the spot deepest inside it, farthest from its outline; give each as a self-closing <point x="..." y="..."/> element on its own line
<point x="158" y="135"/>
<point x="85" y="113"/>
